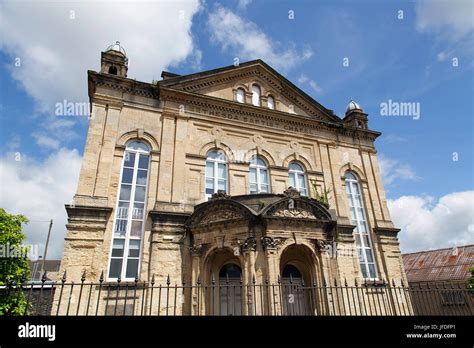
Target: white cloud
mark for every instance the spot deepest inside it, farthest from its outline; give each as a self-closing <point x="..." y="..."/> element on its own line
<point x="426" y="224"/>
<point x="302" y="79"/>
<point x="242" y="4"/>
<point x="247" y="41"/>
<point x="39" y="191"/>
<point x="57" y="46"/>
<point x="46" y="141"/>
<point x="451" y="19"/>
<point x="392" y="170"/>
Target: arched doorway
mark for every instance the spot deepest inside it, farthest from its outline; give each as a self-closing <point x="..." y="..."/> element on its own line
<point x="298" y="274"/>
<point x="230" y="289"/>
<point x="294" y="291"/>
<point x="223" y="283"/>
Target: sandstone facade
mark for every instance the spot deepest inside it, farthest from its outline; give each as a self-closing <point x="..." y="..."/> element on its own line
<point x="190" y="238"/>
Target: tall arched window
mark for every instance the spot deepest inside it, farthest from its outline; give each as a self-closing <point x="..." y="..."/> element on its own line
<point x="216" y="172"/>
<point x="271" y="102"/>
<point x="361" y="232"/>
<point x="240" y="95"/>
<point x="130" y="213"/>
<point x="297" y="178"/>
<point x="256" y="95"/>
<point x="258" y="175"/>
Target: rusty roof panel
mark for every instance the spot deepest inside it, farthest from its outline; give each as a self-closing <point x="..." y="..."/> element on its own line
<point x="439" y="265"/>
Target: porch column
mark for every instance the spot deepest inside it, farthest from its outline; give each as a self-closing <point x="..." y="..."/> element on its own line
<point x="273" y="271"/>
<point x="248" y="250"/>
<point x="196" y="291"/>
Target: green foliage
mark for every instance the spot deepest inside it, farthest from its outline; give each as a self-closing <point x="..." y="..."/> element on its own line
<point x="471" y="280"/>
<point x="14" y="267"/>
<point x="323" y="196"/>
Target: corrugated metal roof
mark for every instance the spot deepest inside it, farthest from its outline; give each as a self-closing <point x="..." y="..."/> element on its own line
<point x="451" y="264"/>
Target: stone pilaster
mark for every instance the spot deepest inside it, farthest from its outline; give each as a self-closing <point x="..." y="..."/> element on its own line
<point x="166" y="255"/>
<point x="84" y="242"/>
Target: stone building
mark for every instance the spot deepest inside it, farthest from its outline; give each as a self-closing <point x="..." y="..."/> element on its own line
<point x="231" y="173"/>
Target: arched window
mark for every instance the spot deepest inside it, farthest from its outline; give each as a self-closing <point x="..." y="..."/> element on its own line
<point x="258" y="175"/>
<point x="113" y="70"/>
<point x="216" y="172"/>
<point x="130" y="212"/>
<point x="240" y="95"/>
<point x="297" y="178"/>
<point x="271" y="102"/>
<point x="255" y="95"/>
<point x="361" y="232"/>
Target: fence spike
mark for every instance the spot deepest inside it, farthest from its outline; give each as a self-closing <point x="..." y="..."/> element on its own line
<point x="266" y="280"/>
<point x="291" y="279"/>
<point x="168" y="281"/>
<point x="183" y="282"/>
<point x="213" y="280"/>
<point x="64" y="277"/>
<point x="355" y="282"/>
<point x="279" y="280"/>
<point x="83" y="277"/>
<point x="199" y="280"/>
<point x="136" y="280"/>
<point x="324" y="282"/>
<point x="402" y="283"/>
<point x="119" y="280"/>
<point x="101" y="278"/>
<point x="253" y="278"/>
<point x="335" y="282"/>
<point x="153" y="279"/>
<point x="345" y="282"/>
<point x="43" y="278"/>
<point x="393" y="282"/>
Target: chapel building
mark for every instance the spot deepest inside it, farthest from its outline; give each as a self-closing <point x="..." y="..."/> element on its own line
<point x="231" y="173"/>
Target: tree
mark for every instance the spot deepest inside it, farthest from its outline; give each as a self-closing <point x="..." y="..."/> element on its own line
<point x="14" y="268"/>
<point x="471" y="279"/>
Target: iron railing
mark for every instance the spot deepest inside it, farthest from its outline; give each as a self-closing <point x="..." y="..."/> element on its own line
<point x="235" y="297"/>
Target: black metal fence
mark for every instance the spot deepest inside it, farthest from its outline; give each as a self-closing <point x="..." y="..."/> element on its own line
<point x="234" y="297"/>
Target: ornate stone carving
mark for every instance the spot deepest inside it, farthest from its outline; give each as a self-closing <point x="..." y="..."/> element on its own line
<point x="295" y="213"/>
<point x="321" y="244"/>
<point x="220" y="215"/>
<point x="249" y="244"/>
<point x="270" y="243"/>
<point x="196" y="249"/>
<point x="292" y="192"/>
<point x="220" y="195"/>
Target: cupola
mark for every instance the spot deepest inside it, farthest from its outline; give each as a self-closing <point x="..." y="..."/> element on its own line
<point x="114" y="60"/>
<point x="355" y="116"/>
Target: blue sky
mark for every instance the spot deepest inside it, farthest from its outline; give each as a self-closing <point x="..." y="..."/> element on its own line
<point x="421" y="55"/>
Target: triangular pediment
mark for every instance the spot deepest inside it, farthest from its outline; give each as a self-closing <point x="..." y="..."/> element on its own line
<point x="223" y="83"/>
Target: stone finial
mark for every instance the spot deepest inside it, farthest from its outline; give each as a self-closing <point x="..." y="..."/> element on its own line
<point x="292" y="192"/>
<point x="220" y="195"/>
